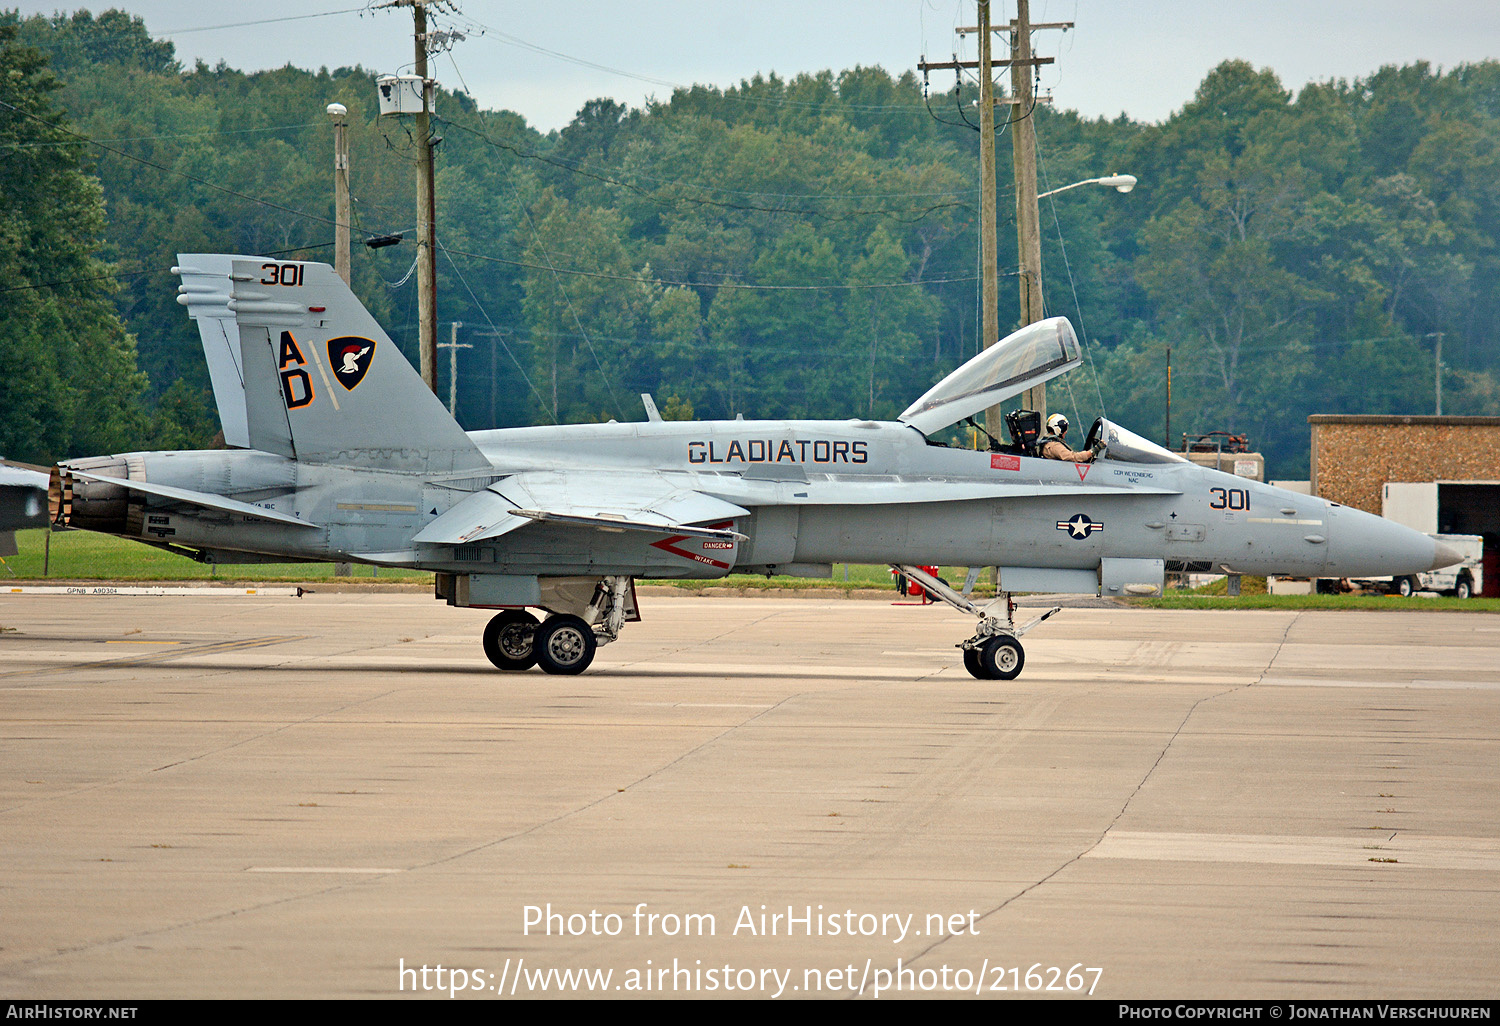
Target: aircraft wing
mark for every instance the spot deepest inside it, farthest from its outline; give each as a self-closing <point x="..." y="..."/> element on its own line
<point x="189" y="497"/>
<point x="607" y="500"/>
<point x="673" y="504"/>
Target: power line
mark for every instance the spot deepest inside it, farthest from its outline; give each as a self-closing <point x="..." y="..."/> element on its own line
<point x="498" y="334"/>
<point x="690" y="271"/>
<point x="515" y="263"/>
<point x="262" y="21"/>
<point x="1073" y="285"/>
<point x="866" y="108"/>
<point x="579" y="169"/>
<point x="119" y="275"/>
<point x="723" y="285"/>
<point x="153" y="138"/>
<point x="122" y="275"/>
<point x="537" y="235"/>
<point x="172" y="171"/>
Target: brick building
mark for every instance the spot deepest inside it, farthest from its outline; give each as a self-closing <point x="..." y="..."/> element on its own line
<point x="1354" y="456"/>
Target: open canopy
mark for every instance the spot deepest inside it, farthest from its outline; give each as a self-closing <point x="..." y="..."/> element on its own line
<point x="1028" y="357"/>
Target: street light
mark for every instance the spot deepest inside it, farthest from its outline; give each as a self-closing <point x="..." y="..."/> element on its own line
<point x="1031" y="272"/>
<point x="1120" y="183"/>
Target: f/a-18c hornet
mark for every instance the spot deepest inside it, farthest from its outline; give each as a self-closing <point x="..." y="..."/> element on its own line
<point x="339" y="452"/>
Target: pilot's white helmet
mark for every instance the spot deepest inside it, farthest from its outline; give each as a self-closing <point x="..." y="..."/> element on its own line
<point x="1057" y="425"/>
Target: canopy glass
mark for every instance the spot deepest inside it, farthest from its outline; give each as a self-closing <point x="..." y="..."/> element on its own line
<point x="1028" y="357"/>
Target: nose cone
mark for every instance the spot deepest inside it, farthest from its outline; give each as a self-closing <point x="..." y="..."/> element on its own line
<point x="1444" y="556"/>
<point x="1369" y="546"/>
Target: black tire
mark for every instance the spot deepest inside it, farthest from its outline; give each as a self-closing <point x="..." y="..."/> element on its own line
<point x="565" y="644"/>
<point x="1002" y="658"/>
<point x="1464" y="588"/>
<point x="1406" y="586"/>
<point x="509" y="640"/>
<point x="973" y="663"/>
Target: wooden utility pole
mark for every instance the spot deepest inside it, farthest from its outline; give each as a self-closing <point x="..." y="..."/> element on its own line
<point x="989" y="247"/>
<point x="426" y="209"/>
<point x="1021" y="103"/>
<point x="1168" y="440"/>
<point x="426" y="206"/>
<point x="338" y="113"/>
<point x="1437" y="371"/>
<point x="1023" y="152"/>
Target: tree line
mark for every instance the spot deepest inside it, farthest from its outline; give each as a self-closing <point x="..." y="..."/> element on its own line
<point x="800" y="247"/>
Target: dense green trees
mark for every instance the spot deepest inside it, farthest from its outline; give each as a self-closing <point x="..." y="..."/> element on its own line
<point x="782" y="248"/>
<point x="68" y="378"/>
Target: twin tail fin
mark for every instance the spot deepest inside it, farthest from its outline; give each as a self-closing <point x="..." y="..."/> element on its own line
<point x="300" y="368"/>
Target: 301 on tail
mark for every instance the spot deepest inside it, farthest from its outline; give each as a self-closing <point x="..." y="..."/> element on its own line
<point x="340" y="453"/>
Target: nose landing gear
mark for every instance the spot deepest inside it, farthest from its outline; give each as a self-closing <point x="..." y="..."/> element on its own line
<point x="999" y="658"/>
<point x="994" y="652"/>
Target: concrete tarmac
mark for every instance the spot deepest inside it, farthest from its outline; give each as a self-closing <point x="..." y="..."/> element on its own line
<point x="301" y="798"/>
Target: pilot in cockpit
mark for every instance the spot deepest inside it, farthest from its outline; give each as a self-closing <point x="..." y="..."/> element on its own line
<point x="1053" y="446"/>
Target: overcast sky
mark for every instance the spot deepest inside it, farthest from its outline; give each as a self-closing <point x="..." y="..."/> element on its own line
<point x="1132" y="56"/>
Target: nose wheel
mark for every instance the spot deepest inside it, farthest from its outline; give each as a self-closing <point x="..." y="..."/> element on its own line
<point x="996" y="658"/>
<point x="994" y="652"/>
<point x="1001" y="658"/>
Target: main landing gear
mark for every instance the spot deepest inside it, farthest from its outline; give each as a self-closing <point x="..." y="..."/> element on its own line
<point x="994" y="652"/>
<point x="563" y="643"/>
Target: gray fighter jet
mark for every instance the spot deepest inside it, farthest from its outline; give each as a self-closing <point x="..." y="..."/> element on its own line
<point x="341" y="453"/>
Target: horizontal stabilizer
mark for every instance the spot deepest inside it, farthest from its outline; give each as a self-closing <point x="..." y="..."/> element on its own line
<point x="200" y="499"/>
<point x="474" y="518"/>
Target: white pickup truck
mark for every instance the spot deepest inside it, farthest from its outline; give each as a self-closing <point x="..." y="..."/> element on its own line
<point x="1463" y="579"/>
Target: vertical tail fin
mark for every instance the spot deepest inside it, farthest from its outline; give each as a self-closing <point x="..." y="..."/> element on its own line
<point x="205" y="293"/>
<point x="322" y="381"/>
